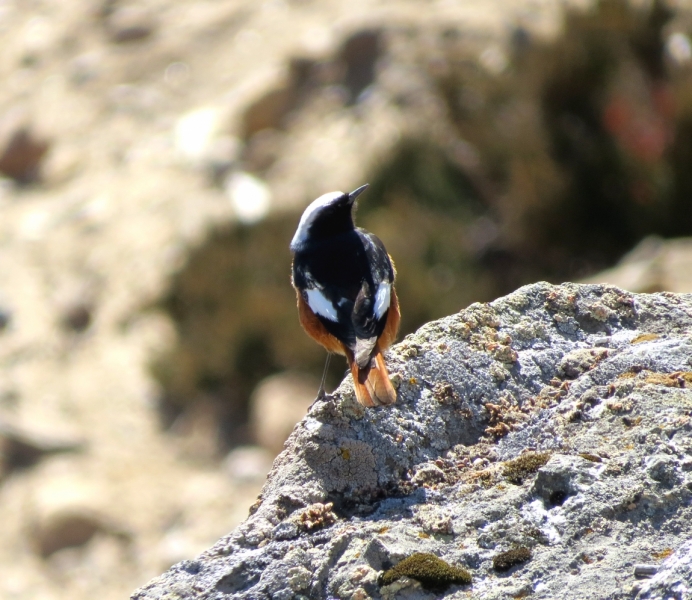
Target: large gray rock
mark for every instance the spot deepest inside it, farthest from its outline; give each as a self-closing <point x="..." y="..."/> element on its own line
<point x="586" y="384"/>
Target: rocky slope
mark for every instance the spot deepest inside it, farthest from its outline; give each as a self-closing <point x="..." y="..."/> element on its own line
<point x="542" y="444"/>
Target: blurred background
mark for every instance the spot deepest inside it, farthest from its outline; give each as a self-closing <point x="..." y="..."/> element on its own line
<point x="155" y="158"/>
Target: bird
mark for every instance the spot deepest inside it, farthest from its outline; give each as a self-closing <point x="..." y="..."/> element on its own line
<point x="344" y="282"/>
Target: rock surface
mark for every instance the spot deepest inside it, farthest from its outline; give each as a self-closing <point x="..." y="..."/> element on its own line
<point x="554" y="422"/>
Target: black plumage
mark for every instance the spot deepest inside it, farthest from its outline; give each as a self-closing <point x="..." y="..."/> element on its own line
<point x="348" y="268"/>
<point x="346" y="300"/>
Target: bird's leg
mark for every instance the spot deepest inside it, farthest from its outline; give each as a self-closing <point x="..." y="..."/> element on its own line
<point x="321" y="393"/>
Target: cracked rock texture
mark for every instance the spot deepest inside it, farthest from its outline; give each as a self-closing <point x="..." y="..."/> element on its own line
<point x="587" y="385"/>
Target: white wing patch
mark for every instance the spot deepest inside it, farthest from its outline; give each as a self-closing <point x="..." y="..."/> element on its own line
<point x="320" y="305"/>
<point x="382" y="299"/>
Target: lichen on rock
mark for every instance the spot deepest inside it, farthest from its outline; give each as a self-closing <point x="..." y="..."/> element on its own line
<point x="590" y="475"/>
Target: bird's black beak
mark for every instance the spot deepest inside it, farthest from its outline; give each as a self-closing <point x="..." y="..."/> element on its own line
<point x="357" y="192"/>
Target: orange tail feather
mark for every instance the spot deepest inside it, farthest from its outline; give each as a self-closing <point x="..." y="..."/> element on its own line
<point x="371" y="383"/>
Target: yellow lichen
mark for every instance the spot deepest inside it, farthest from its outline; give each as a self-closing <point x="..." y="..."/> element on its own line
<point x="679" y="379"/>
<point x="645" y="337"/>
<point x="662" y="555"/>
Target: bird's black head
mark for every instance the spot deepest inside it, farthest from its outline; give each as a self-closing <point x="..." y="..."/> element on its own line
<point x="329" y="215"/>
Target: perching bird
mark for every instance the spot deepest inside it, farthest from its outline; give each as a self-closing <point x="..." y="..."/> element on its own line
<point x="344" y="280"/>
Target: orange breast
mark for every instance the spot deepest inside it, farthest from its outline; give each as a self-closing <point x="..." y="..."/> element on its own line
<point x="314" y="328"/>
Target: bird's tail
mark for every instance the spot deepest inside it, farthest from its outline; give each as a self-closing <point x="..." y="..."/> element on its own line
<point x="371" y="382"/>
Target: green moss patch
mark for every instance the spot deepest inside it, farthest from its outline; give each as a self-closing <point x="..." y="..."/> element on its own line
<point x="506" y="560"/>
<point x="515" y="471"/>
<point x="432" y="572"/>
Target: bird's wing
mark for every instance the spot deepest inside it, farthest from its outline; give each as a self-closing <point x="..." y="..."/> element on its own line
<point x="370" y="307"/>
<point x="353" y="305"/>
<point x="331" y="304"/>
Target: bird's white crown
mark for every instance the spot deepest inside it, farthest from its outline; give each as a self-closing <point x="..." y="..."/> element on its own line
<point x="309" y="216"/>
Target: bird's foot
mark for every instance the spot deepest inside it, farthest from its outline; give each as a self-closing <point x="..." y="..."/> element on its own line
<point x="321" y="395"/>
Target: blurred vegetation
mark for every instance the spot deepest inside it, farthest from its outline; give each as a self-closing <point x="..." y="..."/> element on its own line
<point x="551" y="167"/>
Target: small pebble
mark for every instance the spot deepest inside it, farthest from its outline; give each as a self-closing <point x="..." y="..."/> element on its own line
<point x="130" y="23"/>
<point x="5" y="318"/>
<point x="645" y="570"/>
